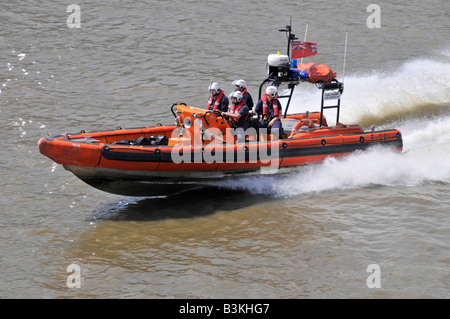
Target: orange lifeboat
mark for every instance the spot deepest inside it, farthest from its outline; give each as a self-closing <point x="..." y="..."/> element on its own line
<point x="160" y="160"/>
<point x="202" y="146"/>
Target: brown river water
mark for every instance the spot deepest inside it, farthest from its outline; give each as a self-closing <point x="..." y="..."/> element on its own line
<point x="312" y="234"/>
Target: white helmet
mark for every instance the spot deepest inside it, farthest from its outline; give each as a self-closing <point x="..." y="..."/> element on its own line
<point x="271" y="91"/>
<point x="240" y="83"/>
<point x="214" y="88"/>
<point x="238" y="95"/>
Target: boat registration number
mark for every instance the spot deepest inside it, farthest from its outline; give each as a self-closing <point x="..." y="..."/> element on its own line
<point x="331" y="96"/>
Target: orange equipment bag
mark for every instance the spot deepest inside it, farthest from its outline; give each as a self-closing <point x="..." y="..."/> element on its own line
<point x="317" y="72"/>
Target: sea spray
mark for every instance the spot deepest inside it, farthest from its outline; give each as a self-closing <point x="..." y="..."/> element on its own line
<point x="424" y="160"/>
<point x="384" y="94"/>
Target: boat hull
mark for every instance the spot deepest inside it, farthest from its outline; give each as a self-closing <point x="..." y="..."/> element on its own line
<point x="130" y="183"/>
<point x="144" y="183"/>
<point x="157" y="170"/>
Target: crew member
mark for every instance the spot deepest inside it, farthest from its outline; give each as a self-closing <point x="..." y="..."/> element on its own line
<point x="269" y="108"/>
<point x="238" y="110"/>
<point x="238" y="113"/>
<point x="217" y="100"/>
<point x="241" y="85"/>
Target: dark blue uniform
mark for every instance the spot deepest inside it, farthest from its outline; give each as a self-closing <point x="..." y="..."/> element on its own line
<point x="223" y="106"/>
<point x="248" y="100"/>
<point x="243" y="121"/>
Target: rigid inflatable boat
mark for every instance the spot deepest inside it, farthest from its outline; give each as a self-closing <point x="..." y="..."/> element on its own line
<point x="202" y="147"/>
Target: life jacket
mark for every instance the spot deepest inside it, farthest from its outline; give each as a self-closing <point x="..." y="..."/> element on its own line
<point x="265" y="105"/>
<point x="235" y="109"/>
<point x="217" y="101"/>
